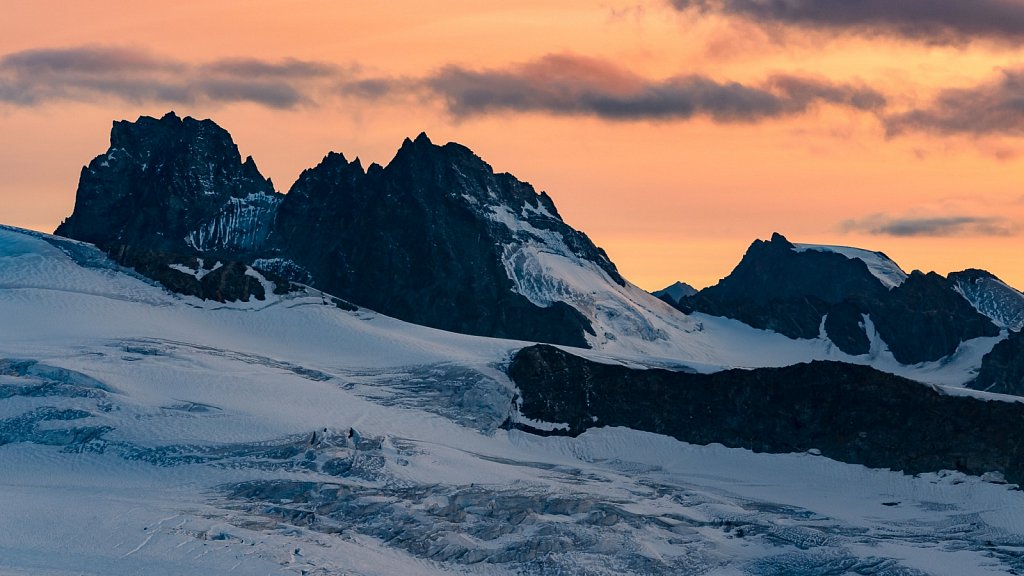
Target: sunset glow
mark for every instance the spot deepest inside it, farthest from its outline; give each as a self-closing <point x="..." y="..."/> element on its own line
<point x="672" y="133"/>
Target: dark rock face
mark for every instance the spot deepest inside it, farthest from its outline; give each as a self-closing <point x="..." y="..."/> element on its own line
<point x="844" y="325"/>
<point x="420" y="240"/>
<point x="228" y="282"/>
<point x="776" y="287"/>
<point x="424" y="239"/>
<point x="850" y="413"/>
<point x="172" y="185"/>
<point x="1002" y="369"/>
<point x="926" y="319"/>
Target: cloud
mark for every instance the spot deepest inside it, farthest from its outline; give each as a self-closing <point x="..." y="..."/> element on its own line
<point x="992" y="108"/>
<point x="99" y="73"/>
<point x="251" y="67"/>
<point x="933" y="226"/>
<point x="560" y="84"/>
<point x="84" y="60"/>
<point x="932" y="21"/>
<point x="580" y="86"/>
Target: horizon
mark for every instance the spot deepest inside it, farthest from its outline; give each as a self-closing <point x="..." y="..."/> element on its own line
<point x="672" y="133"/>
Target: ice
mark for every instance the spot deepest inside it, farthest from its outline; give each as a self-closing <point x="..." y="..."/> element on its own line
<point x="141" y="432"/>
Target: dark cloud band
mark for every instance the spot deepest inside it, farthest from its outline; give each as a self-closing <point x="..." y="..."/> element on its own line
<point x="91" y="74"/>
<point x="556" y="84"/>
<point x="933" y="21"/>
<point x="574" y="85"/>
<point x="937" y="226"/>
<point x="991" y="108"/>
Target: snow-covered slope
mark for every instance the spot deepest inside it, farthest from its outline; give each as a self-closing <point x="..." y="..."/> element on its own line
<point x="632" y="323"/>
<point x="881" y="266"/>
<point x="143" y="432"/>
<point x="992" y="297"/>
<point x="242" y="225"/>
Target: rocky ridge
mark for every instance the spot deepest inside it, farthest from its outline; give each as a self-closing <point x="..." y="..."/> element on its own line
<point x="850" y="413"/>
<point x="802" y="293"/>
<point x="430" y="238"/>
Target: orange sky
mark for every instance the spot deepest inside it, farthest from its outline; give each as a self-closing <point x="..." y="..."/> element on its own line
<point x="668" y="196"/>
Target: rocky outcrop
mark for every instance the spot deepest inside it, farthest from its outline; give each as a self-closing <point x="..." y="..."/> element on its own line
<point x="172" y="185"/>
<point x="777" y="286"/>
<point x="223" y="281"/>
<point x="850" y="413"/>
<point x="1002" y="369"/>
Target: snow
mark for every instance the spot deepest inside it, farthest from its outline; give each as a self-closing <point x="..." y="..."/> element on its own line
<point x="243" y="223"/>
<point x="888" y="272"/>
<point x="995" y="299"/>
<point x="198" y="274"/>
<point x="633" y="326"/>
<point x="222" y="429"/>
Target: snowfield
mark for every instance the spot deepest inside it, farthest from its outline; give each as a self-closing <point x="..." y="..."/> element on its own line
<point x="146" y="433"/>
<point x="881" y="266"/>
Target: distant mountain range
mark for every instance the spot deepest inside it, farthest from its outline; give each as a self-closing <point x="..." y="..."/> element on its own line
<point x="437" y="238"/>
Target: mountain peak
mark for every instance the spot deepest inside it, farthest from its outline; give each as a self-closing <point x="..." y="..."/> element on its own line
<point x="421" y="141"/>
<point x="798" y="289"/>
<point x="677" y="291"/>
<point x="168" y="184"/>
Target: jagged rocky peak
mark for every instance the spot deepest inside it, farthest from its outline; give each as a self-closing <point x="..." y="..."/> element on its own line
<point x="778" y="287"/>
<point x="172" y="184"/>
<point x="778" y="268"/>
<point x="853" y="295"/>
<point x="427" y="170"/>
<point x="454" y="170"/>
<point x="428" y="239"/>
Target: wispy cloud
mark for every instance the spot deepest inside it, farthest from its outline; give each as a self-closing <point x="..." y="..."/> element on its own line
<point x="579" y="86"/>
<point x="932" y="21"/>
<point x="953" y="225"/>
<point x="97" y="73"/>
<point x="994" y="107"/>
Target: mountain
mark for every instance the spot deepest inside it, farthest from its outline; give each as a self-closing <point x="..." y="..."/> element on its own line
<point x="672" y="294"/>
<point x="172" y="185"/>
<point x="436" y="238"/>
<point x="144" y="431"/>
<point x="191" y="391"/>
<point x="166" y="193"/>
<point x="847" y="294"/>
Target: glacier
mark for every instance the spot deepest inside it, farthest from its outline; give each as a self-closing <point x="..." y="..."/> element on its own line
<point x="147" y="432"/>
